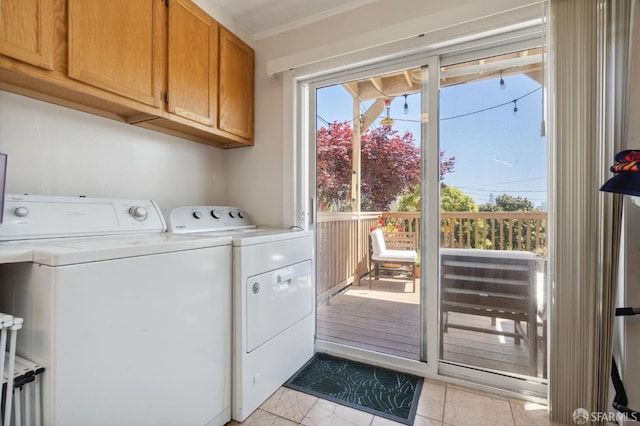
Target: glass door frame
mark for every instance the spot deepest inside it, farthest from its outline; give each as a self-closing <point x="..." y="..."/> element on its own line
<point x="430" y="366"/>
<point x="525" y="385"/>
<point x="430" y="223"/>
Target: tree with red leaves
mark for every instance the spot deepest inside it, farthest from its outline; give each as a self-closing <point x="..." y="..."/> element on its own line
<point x="390" y="167"/>
<point x="334" y="155"/>
<point x="447" y="165"/>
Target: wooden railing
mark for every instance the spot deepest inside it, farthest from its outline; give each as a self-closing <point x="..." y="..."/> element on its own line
<point x="523" y="231"/>
<point x="343" y="238"/>
<point x="342" y="250"/>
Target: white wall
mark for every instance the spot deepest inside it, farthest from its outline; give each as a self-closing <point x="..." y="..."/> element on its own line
<point x="255" y="175"/>
<point x="54" y="150"/>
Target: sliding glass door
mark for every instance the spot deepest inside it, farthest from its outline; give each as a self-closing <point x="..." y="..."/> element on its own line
<point x="447" y="162"/>
<point x="493" y="208"/>
<point x="368" y="177"/>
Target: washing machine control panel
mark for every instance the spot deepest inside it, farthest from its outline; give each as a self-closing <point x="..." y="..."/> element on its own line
<point x="208" y="218"/>
<point x="139" y="212"/>
<point x="40" y="216"/>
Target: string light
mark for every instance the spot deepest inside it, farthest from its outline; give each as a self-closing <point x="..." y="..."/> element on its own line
<point x="326" y="123"/>
<point x="503" y="86"/>
<point x="406" y="105"/>
<point x="514" y="102"/>
<point x="491" y="107"/>
<point x="323" y="120"/>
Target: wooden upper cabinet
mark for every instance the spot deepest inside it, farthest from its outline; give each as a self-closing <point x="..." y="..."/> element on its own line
<point x="236" y="86"/>
<point x="27" y="31"/>
<point x="192" y="63"/>
<point x="165" y="65"/>
<point x="117" y="45"/>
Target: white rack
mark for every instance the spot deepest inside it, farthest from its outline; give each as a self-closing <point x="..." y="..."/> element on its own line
<point x="21" y="388"/>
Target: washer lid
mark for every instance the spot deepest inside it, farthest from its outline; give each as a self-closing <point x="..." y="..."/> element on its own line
<point x="69" y="251"/>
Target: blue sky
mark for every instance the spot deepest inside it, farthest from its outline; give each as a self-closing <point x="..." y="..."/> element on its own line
<point x="497" y="151"/>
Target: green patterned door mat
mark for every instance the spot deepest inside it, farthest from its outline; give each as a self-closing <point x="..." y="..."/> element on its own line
<point x="376" y="390"/>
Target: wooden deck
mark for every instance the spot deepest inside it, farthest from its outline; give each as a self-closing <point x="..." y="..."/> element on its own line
<point x="386" y="319"/>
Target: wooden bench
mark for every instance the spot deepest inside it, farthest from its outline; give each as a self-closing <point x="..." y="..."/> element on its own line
<point x="495" y="284"/>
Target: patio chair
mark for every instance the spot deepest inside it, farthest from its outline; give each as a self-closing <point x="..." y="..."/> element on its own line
<point x="390" y="259"/>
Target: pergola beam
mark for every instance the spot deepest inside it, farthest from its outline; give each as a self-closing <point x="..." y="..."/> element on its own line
<point x="372" y="113"/>
<point x="352" y="88"/>
<point x="407" y="78"/>
<point x="376" y="82"/>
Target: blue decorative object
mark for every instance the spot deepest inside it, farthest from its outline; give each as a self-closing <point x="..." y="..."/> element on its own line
<point x="623" y="183"/>
<point x="627" y="174"/>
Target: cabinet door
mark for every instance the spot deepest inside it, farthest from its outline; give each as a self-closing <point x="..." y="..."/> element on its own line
<point x="192" y="63"/>
<point x="236" y="86"/>
<point x="27" y="31"/>
<point x="116" y="45"/>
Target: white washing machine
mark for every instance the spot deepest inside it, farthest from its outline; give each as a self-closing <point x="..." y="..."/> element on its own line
<point x="273" y="300"/>
<point x="133" y="325"/>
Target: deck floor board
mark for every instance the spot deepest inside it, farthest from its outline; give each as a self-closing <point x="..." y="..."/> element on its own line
<point x="386" y="319"/>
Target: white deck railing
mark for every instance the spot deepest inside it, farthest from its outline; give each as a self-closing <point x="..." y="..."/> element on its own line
<point x="343" y="238"/>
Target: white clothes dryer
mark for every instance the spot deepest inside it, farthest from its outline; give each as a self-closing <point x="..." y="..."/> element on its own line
<point x="273" y="299"/>
<point x="133" y="325"/>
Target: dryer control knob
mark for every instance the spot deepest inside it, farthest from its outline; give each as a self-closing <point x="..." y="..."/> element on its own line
<point x="138" y="213"/>
<point x="197" y="214"/>
<point x="232" y="215"/>
<point x="21" y="211"/>
<point x="215" y="214"/>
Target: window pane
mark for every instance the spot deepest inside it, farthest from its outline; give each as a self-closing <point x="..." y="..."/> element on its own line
<point x="493" y="214"/>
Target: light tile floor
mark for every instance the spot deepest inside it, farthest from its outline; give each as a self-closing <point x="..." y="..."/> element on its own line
<point x="440" y="404"/>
